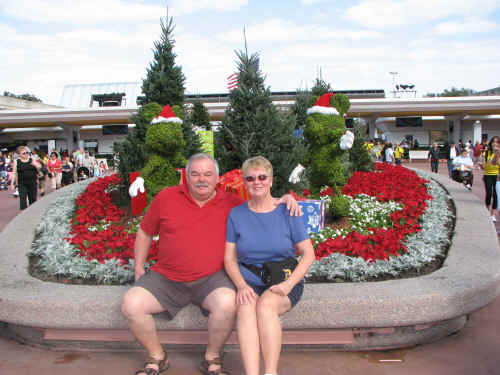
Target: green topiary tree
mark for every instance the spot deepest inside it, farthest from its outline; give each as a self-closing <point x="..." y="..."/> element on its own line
<point x="164" y="143"/>
<point x="133" y="154"/>
<point x="324" y="130"/>
<point x="193" y="143"/>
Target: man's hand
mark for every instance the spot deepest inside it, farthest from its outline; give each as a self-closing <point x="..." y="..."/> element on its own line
<point x="138" y="272"/>
<point x="291" y="204"/>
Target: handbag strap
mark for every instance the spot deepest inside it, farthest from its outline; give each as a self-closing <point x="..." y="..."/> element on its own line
<point x="253" y="268"/>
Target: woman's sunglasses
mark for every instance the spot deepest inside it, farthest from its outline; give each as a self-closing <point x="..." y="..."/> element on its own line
<point x="260" y="177"/>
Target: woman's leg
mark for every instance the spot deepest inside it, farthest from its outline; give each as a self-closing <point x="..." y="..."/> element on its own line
<point x="269" y="308"/>
<point x="23" y="196"/>
<point x="32" y="192"/>
<point x="248" y="337"/>
<point x="58" y="180"/>
<point x="488" y="191"/>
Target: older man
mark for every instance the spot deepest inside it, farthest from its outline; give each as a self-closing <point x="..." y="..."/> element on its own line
<point x="190" y="220"/>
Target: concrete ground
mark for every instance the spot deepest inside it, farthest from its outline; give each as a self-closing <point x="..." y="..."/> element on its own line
<point x="474" y="350"/>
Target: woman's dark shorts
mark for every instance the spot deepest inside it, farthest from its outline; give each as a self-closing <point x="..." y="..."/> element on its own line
<point x="294" y="296"/>
<point x="174" y="295"/>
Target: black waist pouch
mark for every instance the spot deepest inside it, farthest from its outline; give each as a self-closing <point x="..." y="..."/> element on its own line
<point x="273" y="273"/>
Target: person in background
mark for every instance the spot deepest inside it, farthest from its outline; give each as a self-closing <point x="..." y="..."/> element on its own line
<point x="66" y="171"/>
<point x="389" y="153"/>
<point x="451" y="154"/>
<point x="476" y="152"/>
<point x="462" y="169"/>
<point x="434" y="157"/>
<point x="490" y="176"/>
<point x="258" y="231"/>
<point x="25" y="177"/>
<point x="55" y="172"/>
<point x="102" y="168"/>
<point x="398" y="154"/>
<point x="3" y="172"/>
<point x="43" y="174"/>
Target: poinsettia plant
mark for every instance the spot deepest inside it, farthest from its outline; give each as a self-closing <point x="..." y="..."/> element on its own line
<point x="386" y="184"/>
<point x="98" y="230"/>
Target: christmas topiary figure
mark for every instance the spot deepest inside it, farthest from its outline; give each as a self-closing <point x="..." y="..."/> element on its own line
<point x="327" y="139"/>
<point x="164" y="143"/>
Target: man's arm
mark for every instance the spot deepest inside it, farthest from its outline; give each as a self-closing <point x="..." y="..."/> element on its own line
<point x="291" y="204"/>
<point x="141" y="247"/>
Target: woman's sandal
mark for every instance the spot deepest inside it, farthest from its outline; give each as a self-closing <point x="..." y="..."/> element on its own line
<point x="206" y="363"/>
<point x="150" y="361"/>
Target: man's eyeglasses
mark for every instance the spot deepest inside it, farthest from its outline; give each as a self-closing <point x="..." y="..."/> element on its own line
<point x="260" y="177"/>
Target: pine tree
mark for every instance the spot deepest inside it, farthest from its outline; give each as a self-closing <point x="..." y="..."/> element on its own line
<point x="164" y="82"/>
<point x="199" y="115"/>
<point x="193" y="144"/>
<point x="303" y="101"/>
<point x="253" y="126"/>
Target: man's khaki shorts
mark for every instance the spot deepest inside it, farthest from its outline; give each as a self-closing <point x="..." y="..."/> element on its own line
<point x="174" y="295"/>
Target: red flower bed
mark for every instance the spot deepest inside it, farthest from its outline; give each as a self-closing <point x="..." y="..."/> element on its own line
<point x="386" y="183"/>
<point x="95" y="207"/>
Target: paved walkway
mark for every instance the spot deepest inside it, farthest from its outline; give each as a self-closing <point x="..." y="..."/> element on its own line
<point x="474" y="350"/>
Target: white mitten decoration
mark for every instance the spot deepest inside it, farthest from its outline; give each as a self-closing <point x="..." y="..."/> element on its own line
<point x="346" y="140"/>
<point x="136" y="187"/>
<point x="295" y="175"/>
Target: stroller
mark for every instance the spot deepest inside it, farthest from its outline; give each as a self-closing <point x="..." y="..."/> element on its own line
<point x="82" y="173"/>
<point x="463" y="176"/>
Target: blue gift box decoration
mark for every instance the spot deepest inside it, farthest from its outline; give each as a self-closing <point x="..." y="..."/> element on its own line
<point x="313" y="214"/>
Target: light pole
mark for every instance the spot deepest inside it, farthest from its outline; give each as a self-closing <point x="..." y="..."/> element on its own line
<point x="393" y="83"/>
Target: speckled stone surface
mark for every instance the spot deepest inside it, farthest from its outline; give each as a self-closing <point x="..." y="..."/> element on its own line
<point x="469" y="280"/>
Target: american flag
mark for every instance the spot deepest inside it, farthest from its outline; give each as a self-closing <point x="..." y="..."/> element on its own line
<point x="232" y="82"/>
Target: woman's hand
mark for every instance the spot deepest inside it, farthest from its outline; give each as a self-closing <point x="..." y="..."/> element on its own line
<point x="282" y="289"/>
<point x="245" y="295"/>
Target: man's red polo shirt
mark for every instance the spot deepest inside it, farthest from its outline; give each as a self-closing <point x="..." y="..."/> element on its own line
<point x="192" y="238"/>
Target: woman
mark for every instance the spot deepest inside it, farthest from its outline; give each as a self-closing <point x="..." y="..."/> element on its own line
<point x="25" y="177"/>
<point x="434" y="157"/>
<point x="55" y="171"/>
<point x="67" y="171"/>
<point x="259" y="232"/>
<point x="43" y="174"/>
<point x="490" y="176"/>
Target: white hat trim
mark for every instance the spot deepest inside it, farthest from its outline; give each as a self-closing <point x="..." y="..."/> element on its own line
<point x="169" y="119"/>
<point x="322" y="110"/>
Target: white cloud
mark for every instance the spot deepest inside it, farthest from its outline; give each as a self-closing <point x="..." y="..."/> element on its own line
<point x="467" y="26"/>
<point x="387" y="14"/>
<point x="278" y="30"/>
<point x="192" y="6"/>
<point x="81" y="12"/>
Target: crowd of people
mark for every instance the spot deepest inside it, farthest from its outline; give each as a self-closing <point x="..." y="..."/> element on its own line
<point x="31" y="172"/>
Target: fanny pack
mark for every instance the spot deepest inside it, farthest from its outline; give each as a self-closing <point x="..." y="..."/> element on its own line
<point x="272" y="273"/>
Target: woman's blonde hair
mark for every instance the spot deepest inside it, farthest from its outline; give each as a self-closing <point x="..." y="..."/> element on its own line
<point x="21" y="148"/>
<point x="257" y="162"/>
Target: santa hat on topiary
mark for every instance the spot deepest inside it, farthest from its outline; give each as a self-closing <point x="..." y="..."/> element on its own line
<point x="322" y="105"/>
<point x="166" y="115"/>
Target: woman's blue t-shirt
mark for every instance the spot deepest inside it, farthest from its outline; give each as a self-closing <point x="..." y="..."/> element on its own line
<point x="263" y="237"/>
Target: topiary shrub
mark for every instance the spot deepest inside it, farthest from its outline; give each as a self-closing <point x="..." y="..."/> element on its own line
<point x="158" y="174"/>
<point x="165" y="139"/>
<point x="339" y="206"/>
<point x="324" y="128"/>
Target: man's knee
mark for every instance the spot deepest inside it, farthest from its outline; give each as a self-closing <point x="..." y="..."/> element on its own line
<point x="223" y="301"/>
<point x="136" y="302"/>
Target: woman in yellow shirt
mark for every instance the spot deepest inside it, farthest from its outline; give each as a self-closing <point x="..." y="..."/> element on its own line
<point x="490" y="176"/>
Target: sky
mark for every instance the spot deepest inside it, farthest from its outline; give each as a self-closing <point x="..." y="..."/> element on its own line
<point x="354" y="44"/>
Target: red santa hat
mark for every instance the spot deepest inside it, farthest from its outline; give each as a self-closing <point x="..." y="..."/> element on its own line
<point x="322" y="105"/>
<point x="166" y="115"/>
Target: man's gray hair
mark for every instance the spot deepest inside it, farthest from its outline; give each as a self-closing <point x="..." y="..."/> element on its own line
<point x="200" y="156"/>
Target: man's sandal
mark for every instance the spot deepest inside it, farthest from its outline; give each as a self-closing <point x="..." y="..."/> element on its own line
<point x="206" y="363"/>
<point x="151" y="363"/>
